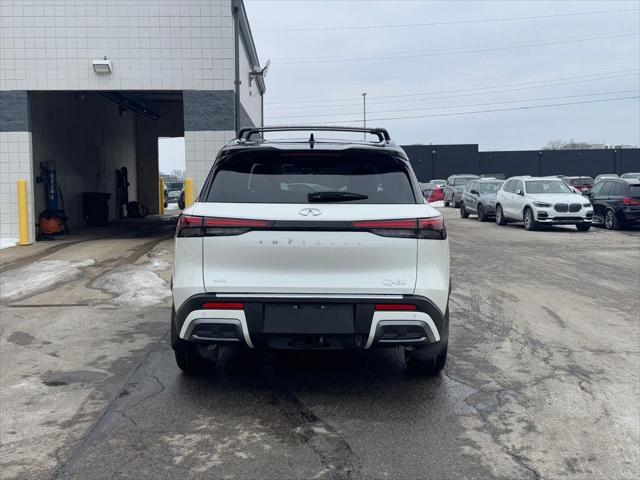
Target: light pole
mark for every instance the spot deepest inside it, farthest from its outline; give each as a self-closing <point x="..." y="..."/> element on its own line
<point x="364" y="114"/>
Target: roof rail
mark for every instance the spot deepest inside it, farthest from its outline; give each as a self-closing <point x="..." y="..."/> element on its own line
<point x="246" y="133"/>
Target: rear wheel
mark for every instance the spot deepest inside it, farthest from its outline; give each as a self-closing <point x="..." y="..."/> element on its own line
<point x="583" y="227"/>
<point x="529" y="220"/>
<point x="194" y="359"/>
<point x="500" y="220"/>
<point x="482" y="217"/>
<point x="463" y="211"/>
<point x="427" y="360"/>
<point x="611" y="222"/>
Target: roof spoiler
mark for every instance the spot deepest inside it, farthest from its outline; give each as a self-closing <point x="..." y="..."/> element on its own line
<point x="246" y="133"/>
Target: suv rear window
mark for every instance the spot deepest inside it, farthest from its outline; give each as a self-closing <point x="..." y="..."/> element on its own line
<point x="291" y="176"/>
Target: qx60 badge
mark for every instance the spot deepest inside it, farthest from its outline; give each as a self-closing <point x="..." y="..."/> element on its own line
<point x="314" y="212"/>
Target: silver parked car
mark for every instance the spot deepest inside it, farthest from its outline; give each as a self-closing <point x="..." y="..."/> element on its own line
<point x="635" y="176"/>
<point x="454" y="187"/>
<point x="605" y="176"/>
<point x="479" y="198"/>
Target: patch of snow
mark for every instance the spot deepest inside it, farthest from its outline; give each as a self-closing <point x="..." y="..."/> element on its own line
<point x="8" y="242"/>
<point x="439" y="204"/>
<point x="320" y="430"/>
<point x="38" y="276"/>
<point x="157" y="264"/>
<point x="134" y="285"/>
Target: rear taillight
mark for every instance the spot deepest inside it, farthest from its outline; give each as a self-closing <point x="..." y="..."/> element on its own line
<point x="215" y="227"/>
<point x="223" y="306"/>
<point x="409" y="224"/>
<point x="395" y="307"/>
<point x="631" y="201"/>
<point x="430" y="228"/>
<point x="191" y="226"/>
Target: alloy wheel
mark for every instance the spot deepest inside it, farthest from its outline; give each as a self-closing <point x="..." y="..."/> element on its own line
<point x="608" y="219"/>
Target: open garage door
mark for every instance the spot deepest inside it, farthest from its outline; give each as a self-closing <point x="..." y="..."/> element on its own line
<point x="86" y="137"/>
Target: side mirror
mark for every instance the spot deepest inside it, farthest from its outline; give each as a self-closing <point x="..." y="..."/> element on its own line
<point x="474" y="191"/>
<point x="519" y="192"/>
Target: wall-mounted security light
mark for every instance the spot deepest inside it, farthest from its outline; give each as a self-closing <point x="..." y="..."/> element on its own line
<point x="102" y="66"/>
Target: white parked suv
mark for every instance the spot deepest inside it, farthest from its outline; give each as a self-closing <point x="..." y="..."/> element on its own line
<point x="542" y="201"/>
<point x="310" y="244"/>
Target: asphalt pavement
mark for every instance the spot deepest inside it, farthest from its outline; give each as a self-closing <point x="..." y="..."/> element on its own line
<point x="543" y="377"/>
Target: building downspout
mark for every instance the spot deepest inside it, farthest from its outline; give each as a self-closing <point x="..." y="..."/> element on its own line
<point x="236" y="39"/>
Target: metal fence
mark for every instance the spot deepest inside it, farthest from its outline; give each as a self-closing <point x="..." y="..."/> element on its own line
<point x="440" y="161"/>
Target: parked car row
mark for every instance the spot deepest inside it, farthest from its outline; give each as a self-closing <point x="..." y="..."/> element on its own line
<point x="611" y="201"/>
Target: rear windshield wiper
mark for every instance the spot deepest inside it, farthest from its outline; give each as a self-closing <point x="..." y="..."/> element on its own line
<point x="335" y="196"/>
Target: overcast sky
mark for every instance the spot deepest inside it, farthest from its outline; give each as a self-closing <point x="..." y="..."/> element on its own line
<point x="170" y="154"/>
<point x="464" y="61"/>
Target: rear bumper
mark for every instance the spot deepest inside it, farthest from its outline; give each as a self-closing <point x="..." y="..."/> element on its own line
<point x="305" y="322"/>
<point x="631" y="216"/>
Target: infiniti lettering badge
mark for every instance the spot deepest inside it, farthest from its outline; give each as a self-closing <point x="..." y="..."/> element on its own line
<point x="305" y="212"/>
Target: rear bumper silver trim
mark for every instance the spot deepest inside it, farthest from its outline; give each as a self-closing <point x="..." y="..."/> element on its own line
<point x="401" y="318"/>
<point x="235" y="317"/>
<point x="308" y="295"/>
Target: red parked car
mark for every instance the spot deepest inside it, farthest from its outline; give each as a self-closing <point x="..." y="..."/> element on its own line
<point x="580" y="183"/>
<point x="432" y="192"/>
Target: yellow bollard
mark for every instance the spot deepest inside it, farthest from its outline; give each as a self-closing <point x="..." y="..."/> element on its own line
<point x="188" y="192"/>
<point x="23" y="214"/>
<point x="161" y="202"/>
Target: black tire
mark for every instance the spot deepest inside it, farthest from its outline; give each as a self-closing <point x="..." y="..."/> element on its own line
<point x="463" y="211"/>
<point x="500" y="220"/>
<point x="427" y="360"/>
<point x="583" y="227"/>
<point x="446" y="203"/>
<point x="529" y="220"/>
<point x="482" y="217"/>
<point x="611" y="221"/>
<point x="191" y="358"/>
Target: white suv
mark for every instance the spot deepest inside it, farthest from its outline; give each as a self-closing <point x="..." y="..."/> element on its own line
<point x="310" y="244"/>
<point x="542" y="201"/>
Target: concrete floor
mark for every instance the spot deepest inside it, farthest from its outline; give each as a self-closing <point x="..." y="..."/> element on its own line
<point x="542" y="380"/>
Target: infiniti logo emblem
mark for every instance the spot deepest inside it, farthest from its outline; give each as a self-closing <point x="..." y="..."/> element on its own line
<point x="305" y="212"/>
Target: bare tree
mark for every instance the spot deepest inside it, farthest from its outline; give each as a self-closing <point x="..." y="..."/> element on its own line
<point x="559" y="144"/>
<point x="178" y="175"/>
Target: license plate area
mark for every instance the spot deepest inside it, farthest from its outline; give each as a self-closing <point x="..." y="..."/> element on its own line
<point x="308" y="318"/>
